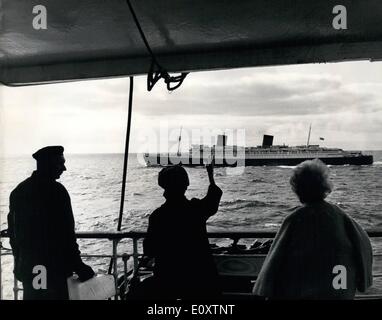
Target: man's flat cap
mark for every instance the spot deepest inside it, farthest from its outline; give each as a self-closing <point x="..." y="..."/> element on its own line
<point x="48" y="152"/>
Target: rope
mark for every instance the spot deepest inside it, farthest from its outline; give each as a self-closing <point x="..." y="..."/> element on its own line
<point x="156" y="71"/>
<point x="125" y="161"/>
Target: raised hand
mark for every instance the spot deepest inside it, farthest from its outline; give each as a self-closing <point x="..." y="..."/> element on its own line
<point x="210" y="171"/>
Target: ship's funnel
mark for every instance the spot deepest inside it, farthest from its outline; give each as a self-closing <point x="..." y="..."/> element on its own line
<point x="267" y="141"/>
<point x="222" y="140"/>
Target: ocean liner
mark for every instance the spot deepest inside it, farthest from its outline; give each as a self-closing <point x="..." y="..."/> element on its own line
<point x="265" y="155"/>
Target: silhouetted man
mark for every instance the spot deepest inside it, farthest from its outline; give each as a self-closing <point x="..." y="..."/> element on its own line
<point x="41" y="230"/>
<point x="177" y="239"/>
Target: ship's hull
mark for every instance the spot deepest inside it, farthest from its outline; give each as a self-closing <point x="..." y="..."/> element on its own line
<point x="162" y="160"/>
<point x="358" y="160"/>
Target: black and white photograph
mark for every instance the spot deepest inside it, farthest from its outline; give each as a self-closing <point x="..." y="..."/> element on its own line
<point x="191" y="155"/>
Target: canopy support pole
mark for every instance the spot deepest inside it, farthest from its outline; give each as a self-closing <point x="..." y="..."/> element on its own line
<point x="126" y="156"/>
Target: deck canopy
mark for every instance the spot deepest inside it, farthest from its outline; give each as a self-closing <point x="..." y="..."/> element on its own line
<point x="97" y="38"/>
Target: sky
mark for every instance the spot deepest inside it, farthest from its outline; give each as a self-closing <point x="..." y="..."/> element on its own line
<point x="342" y="101"/>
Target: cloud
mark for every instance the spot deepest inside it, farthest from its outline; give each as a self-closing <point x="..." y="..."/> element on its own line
<point x="70" y="98"/>
<point x="260" y="94"/>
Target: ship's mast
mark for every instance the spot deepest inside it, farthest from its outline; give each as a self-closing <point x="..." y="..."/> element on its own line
<point x="310" y="129"/>
<point x="180" y="138"/>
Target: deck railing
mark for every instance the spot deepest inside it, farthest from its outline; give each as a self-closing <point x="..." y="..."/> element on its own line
<point x="116" y="237"/>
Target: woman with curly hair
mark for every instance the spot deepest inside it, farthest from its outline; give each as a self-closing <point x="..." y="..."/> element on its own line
<point x="319" y="252"/>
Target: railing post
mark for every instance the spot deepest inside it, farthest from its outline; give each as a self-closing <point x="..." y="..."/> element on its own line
<point x="135" y="255"/>
<point x="15" y="286"/>
<point x="125" y="258"/>
<point x="115" y="271"/>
